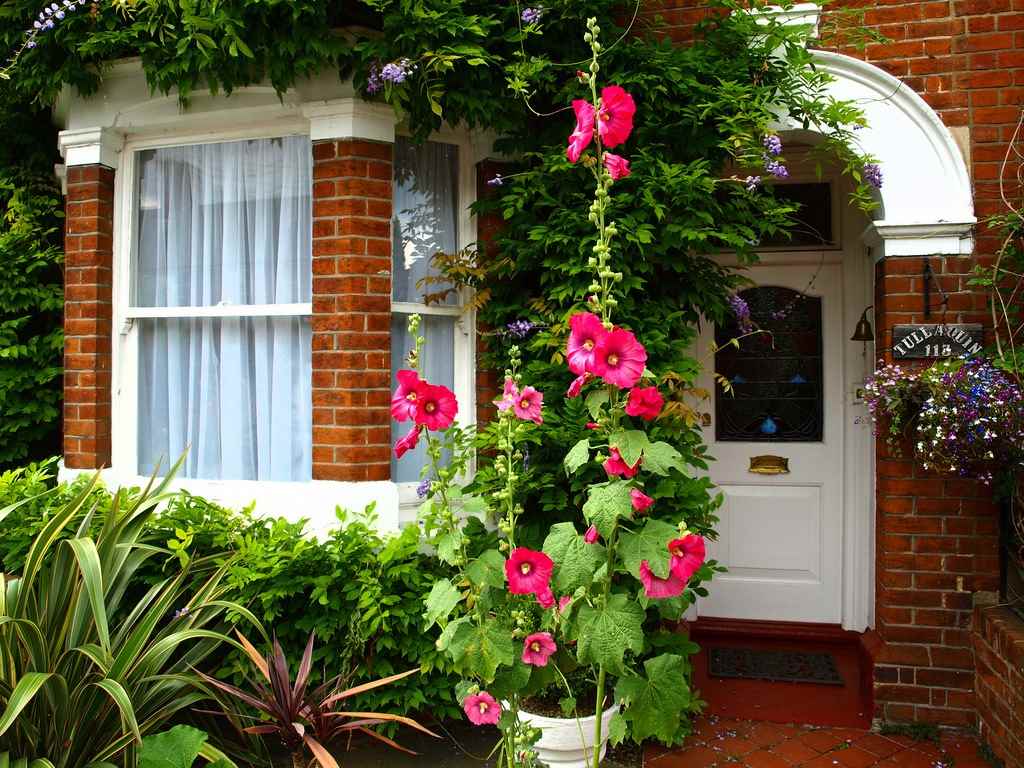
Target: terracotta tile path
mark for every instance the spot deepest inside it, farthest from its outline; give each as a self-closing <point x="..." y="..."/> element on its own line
<point x="737" y="743"/>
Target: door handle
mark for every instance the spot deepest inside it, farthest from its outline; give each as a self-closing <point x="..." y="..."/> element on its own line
<point x="769" y="465"/>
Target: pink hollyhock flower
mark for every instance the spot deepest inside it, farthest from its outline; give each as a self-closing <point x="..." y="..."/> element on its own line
<point x="577" y="385"/>
<point x="619" y="358"/>
<point x="509" y="396"/>
<point x="591" y="536"/>
<point x="688" y="554"/>
<point x="644" y="402"/>
<point x="528" y="571"/>
<point x="615" y="465"/>
<point x="617" y="166"/>
<point x="436" y="406"/>
<point x="580" y="139"/>
<point x="403" y="402"/>
<point x="482" y="709"/>
<point x="655" y="586"/>
<point x="592" y="425"/>
<point x="615" y="120"/>
<point x="528" y="405"/>
<point x="546" y="598"/>
<point x="537" y="649"/>
<point x="641" y="501"/>
<point x="563" y="602"/>
<point x="586" y="331"/>
<point x="407" y="443"/>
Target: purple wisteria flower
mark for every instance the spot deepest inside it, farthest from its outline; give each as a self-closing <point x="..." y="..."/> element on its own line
<point x="752" y="183"/>
<point x="48" y="18"/>
<point x="496" y="181"/>
<point x="741" y="310"/>
<point x="394" y="72"/>
<point x="772" y="145"/>
<point x="775" y="168"/>
<point x="374" y="82"/>
<point x="872" y="173"/>
<point x="520" y="329"/>
<point x="423" y="488"/>
<point x="532" y="15"/>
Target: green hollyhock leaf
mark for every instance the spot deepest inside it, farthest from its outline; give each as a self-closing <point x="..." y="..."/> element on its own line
<point x="176" y="748"/>
<point x="656" y="702"/>
<point x="488" y="570"/>
<point x="510" y="680"/>
<point x="617" y="729"/>
<point x="650" y="543"/>
<point x="575" y="560"/>
<point x="577" y="456"/>
<point x="479" y="650"/>
<point x="606" y="503"/>
<point x="631" y="444"/>
<point x="440" y="602"/>
<point x="594" y="402"/>
<point x="449" y="547"/>
<point x="660" y="457"/>
<point x="605" y="634"/>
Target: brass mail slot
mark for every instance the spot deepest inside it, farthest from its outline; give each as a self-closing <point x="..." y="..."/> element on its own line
<point x="769" y="465"/>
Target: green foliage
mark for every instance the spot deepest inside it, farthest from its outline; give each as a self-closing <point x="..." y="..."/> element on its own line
<point x="360" y="590"/>
<point x="92" y="659"/>
<point x="179" y="748"/>
<point x="31" y="304"/>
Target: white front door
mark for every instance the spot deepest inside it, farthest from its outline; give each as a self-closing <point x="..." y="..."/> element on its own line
<point x="780" y="535"/>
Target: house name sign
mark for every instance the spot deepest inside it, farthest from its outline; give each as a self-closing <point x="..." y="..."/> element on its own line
<point x="934" y="341"/>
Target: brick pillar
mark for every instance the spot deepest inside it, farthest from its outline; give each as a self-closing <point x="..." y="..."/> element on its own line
<point x="351" y="309"/>
<point x="88" y="315"/>
<point x="937" y="536"/>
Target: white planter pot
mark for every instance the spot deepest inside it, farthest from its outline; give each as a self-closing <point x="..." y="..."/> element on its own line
<point x="568" y="743"/>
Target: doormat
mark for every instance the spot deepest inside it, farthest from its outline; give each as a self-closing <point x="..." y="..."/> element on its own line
<point x="777" y="666"/>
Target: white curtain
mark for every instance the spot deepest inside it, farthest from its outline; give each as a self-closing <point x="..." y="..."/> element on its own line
<point x="426" y="218"/>
<point x="225" y="224"/>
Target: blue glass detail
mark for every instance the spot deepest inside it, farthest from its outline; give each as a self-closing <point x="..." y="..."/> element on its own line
<point x="769" y="427"/>
<point x="798" y="379"/>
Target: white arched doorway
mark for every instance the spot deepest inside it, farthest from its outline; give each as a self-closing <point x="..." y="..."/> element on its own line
<point x="800" y="545"/>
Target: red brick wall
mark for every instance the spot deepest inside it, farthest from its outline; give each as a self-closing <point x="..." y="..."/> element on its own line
<point x="88" y="315"/>
<point x="352" y="190"/>
<point x="999" y="648"/>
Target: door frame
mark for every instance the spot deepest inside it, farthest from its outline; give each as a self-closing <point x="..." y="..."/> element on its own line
<point x="858" y="521"/>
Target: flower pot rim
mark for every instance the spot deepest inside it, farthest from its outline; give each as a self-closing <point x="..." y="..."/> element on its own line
<point x="612" y="709"/>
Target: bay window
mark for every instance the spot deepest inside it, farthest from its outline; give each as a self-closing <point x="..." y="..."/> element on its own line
<point x="216" y="357"/>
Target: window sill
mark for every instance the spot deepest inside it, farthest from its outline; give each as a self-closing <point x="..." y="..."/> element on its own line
<point x="314" y="500"/>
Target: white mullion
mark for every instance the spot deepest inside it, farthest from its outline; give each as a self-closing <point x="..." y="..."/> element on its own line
<point x="222" y="310"/>
<point x="415" y="308"/>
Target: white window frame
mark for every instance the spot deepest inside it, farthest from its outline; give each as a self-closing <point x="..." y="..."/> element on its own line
<point x="124" y="402"/>
<point x="464" y="314"/>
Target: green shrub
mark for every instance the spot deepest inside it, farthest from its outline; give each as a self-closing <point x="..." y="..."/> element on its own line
<point x="361" y="591"/>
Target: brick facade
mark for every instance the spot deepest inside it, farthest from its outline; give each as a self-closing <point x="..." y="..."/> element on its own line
<point x="999" y="682"/>
<point x="88" y="316"/>
<point x="352" y="191"/>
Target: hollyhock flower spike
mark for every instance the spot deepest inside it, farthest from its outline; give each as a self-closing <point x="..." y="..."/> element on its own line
<point x="591" y="536"/>
<point x="641" y="501"/>
<point x="657" y="587"/>
<point x="585" y="332"/>
<point x="482" y="709"/>
<point x="537" y="649"/>
<point x="688" y="554"/>
<point x="407" y="443"/>
<point x="528" y="405"/>
<point x="616" y="466"/>
<point x="403" y="403"/>
<point x="617" y="166"/>
<point x="508" y="396"/>
<point x="436" y="406"/>
<point x="577" y="385"/>
<point x="645" y="402"/>
<point x="580" y="138"/>
<point x="564" y="602"/>
<point x="528" y="571"/>
<point x="615" y="120"/>
<point x="619" y="358"/>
